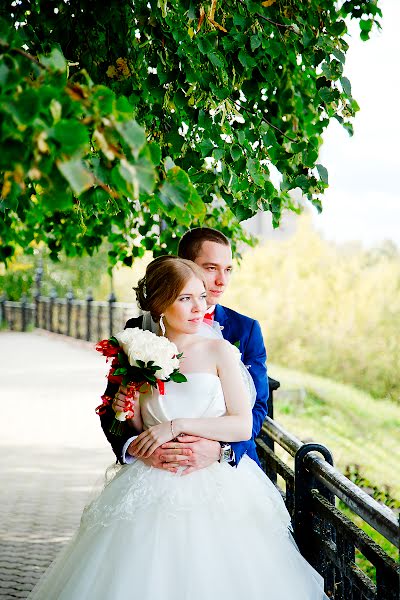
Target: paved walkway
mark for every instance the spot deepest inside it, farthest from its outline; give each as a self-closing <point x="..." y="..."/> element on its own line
<point x="52" y="451"/>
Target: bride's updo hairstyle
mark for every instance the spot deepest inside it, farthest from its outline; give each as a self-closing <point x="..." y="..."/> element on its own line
<point x="165" y="278"/>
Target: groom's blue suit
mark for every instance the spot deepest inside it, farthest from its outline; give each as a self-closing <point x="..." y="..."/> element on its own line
<point x="235" y="327"/>
<point x="246" y="331"/>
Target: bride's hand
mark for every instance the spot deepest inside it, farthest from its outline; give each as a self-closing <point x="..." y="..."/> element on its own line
<point x="151" y="439"/>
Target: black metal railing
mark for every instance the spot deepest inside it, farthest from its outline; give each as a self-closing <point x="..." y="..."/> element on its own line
<point x="87" y="319"/>
<point x="327" y="538"/>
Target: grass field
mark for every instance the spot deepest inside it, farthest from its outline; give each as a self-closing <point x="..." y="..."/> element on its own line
<point x="356" y="428"/>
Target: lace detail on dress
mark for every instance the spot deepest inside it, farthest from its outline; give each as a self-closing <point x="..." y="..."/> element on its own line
<point x="138" y="489"/>
<point x="142" y="486"/>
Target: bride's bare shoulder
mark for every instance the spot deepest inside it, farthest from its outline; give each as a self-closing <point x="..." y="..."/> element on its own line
<point x="222" y="348"/>
<point x="200" y="343"/>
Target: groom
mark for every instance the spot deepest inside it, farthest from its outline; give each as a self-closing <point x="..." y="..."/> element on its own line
<point x="211" y="251"/>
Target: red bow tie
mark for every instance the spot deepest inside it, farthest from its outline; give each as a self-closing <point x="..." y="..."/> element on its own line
<point x="209" y="316"/>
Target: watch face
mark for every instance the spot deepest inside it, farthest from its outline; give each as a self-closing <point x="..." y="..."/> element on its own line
<point x="225" y="453"/>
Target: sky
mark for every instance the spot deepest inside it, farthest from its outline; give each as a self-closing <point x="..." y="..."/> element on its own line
<point x="362" y="202"/>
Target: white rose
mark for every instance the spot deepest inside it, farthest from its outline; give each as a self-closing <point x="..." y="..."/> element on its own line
<point x="146" y="346"/>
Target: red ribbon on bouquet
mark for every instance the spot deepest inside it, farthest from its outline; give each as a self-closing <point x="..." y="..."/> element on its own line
<point x="105" y="401"/>
<point x="161" y="387"/>
<point x="131" y="388"/>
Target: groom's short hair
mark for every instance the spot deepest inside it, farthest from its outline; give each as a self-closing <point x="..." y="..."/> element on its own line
<point x="191" y="242"/>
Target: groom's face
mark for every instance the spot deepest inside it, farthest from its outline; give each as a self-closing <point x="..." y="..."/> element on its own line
<point x="216" y="262"/>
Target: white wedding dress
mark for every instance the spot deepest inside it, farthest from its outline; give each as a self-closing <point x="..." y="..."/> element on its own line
<point x="218" y="533"/>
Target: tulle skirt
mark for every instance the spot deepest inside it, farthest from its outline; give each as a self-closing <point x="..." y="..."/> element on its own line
<point x="217" y="533"/>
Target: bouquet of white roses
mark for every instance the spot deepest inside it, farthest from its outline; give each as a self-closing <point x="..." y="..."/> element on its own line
<point x="139" y="357"/>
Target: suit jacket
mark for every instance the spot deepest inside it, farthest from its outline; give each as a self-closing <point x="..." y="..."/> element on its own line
<point x="235" y="327"/>
<point x="247" y="331"/>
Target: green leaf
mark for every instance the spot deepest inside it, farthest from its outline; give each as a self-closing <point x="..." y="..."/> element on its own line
<point x="204" y="45"/>
<point x="146" y="175"/>
<point x="4" y="71"/>
<point x="346" y="85"/>
<point x="216" y="60"/>
<point x="154" y="153"/>
<point x="206" y="147"/>
<point x="178" y="378"/>
<point x="105" y="99"/>
<point x="122" y="357"/>
<point x="239" y="20"/>
<point x="55" y="61"/>
<point x="268" y="189"/>
<point x="78" y="177"/>
<point x="276" y="205"/>
<point x="323" y="173"/>
<point x="25" y="107"/>
<point x="338" y="28"/>
<point x="121" y="371"/>
<point x="366" y="24"/>
<point x="176" y="188"/>
<point x="246" y="60"/>
<point x="328" y="94"/>
<point x="72" y="136"/>
<point x="339" y="55"/>
<point x="255" y="42"/>
<point x="133" y="135"/>
<point x="124" y="107"/>
<point x="236" y="152"/>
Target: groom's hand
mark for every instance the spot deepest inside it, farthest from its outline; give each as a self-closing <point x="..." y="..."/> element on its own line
<point x="203" y="453"/>
<point x="157" y="459"/>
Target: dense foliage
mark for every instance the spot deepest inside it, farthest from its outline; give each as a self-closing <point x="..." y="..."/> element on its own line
<point x="136" y="120"/>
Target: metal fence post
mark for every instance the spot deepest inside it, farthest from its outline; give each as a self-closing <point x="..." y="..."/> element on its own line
<point x="303" y="521"/>
<point x="89" y="300"/>
<point x="111" y="299"/>
<point x="69" y="297"/>
<point x="53" y="296"/>
<point x="3" y="300"/>
<point x="23" y="313"/>
<point x="273" y="385"/>
<point x="36" y="299"/>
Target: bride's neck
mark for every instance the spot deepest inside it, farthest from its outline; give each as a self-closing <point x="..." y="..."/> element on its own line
<point x="178" y="338"/>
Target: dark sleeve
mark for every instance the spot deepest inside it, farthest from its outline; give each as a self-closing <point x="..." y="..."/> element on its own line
<point x="255" y="358"/>
<point x="107" y="419"/>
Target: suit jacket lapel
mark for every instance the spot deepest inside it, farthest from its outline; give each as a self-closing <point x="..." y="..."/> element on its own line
<point x="221" y="317"/>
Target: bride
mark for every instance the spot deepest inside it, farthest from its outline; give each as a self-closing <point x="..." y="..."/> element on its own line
<point x="221" y="532"/>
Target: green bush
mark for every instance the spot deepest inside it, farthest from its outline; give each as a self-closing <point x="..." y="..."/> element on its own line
<point x="79" y="274"/>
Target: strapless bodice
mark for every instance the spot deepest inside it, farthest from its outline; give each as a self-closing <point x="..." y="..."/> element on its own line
<point x="200" y="396"/>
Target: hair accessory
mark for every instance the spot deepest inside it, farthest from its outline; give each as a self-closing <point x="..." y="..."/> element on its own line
<point x="162" y="326"/>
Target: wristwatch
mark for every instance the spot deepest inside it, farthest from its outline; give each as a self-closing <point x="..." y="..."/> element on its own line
<point x="226" y="452"/>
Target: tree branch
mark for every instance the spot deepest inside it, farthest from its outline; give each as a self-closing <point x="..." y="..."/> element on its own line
<point x="264" y="18"/>
<point x="250" y="112"/>
<point x="26" y="55"/>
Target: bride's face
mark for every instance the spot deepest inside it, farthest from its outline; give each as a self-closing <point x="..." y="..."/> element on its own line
<point x="186" y="314"/>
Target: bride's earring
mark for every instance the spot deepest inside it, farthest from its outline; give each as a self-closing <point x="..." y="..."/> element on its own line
<point x="162" y="326"/>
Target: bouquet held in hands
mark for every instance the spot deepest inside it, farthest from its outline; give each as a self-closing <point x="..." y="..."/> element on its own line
<point x="138" y="358"/>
